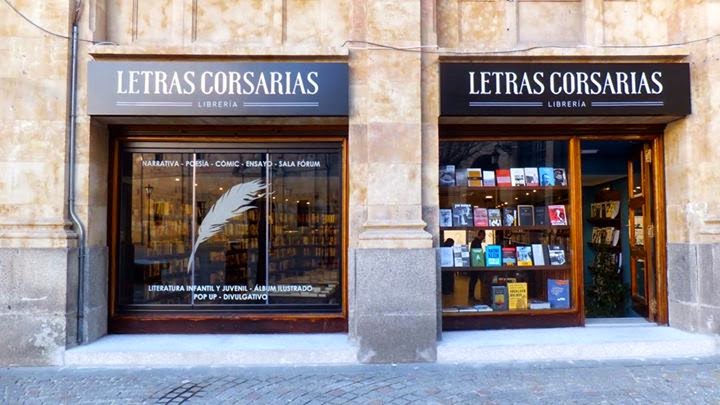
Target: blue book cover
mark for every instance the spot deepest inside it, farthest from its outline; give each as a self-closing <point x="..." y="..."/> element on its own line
<point x="493" y="256"/>
<point x="547" y="177"/>
<point x="558" y="293"/>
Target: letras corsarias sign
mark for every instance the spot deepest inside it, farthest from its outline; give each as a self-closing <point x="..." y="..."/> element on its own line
<point x="507" y="89"/>
<point x="217" y="89"/>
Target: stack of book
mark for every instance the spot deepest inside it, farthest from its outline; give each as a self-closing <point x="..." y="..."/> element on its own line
<point x="465" y="215"/>
<point x="510" y="177"/>
<point x="609" y="236"/>
<point x="499" y="256"/>
<point x="605" y="210"/>
<point x="510" y="294"/>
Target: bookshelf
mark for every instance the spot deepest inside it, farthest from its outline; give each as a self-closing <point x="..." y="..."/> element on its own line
<point x="606" y="222"/>
<point x="506" y="244"/>
<point x="297" y="254"/>
<point x="604" y="288"/>
<point x="304" y="249"/>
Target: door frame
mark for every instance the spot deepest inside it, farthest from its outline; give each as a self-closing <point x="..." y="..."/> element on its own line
<point x="655" y="140"/>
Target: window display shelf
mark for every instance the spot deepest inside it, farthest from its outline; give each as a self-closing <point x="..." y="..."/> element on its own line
<point x="502" y="188"/>
<point x="524" y="312"/>
<point x="506" y="228"/>
<point x="506" y="268"/>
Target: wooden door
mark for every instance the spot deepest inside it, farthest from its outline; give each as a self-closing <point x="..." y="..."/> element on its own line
<point x="642" y="232"/>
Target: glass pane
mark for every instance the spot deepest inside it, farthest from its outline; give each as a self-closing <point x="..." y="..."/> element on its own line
<point x="229" y="262"/>
<point x="638" y="230"/>
<point x="637" y="174"/>
<point x="505" y="225"/>
<point x="640" y="277"/>
<point x="305" y="259"/>
<point x="205" y="231"/>
<point x="155" y="237"/>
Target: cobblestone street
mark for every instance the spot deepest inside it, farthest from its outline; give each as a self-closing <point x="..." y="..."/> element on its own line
<point x="674" y="382"/>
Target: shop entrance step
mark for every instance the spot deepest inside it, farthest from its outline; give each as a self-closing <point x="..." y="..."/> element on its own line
<point x="213" y="350"/>
<point x="594" y="342"/>
<point x="617" y="322"/>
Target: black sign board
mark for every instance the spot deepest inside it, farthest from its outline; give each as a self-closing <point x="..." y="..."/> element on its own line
<point x="217" y="88"/>
<point x="507" y="89"/>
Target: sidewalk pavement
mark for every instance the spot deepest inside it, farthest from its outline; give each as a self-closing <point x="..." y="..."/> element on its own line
<point x="613" y="339"/>
<point x="683" y="381"/>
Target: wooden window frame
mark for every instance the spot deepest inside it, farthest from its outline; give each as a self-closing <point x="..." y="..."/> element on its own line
<point x="224" y="322"/>
<point x="574" y="134"/>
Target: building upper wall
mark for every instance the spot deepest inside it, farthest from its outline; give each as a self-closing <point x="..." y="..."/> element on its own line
<point x="33" y="84"/>
<point x="500" y="24"/>
<point x="216" y="22"/>
<point x="464" y="24"/>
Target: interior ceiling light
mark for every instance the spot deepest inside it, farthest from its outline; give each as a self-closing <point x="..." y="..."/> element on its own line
<point x="588" y="151"/>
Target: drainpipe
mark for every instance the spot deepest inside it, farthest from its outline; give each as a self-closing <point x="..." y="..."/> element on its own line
<point x="72" y="153"/>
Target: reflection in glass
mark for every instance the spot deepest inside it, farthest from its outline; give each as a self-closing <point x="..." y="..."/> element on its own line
<point x="231" y="261"/>
<point x="223" y="230"/>
<point x="156" y="232"/>
<point x="305" y="228"/>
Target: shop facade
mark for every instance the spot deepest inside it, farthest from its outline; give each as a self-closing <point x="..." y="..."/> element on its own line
<point x="544" y="225"/>
<point x="283" y="167"/>
<point x="239" y="227"/>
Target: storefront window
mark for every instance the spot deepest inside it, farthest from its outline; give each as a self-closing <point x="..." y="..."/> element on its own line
<point x="505" y="227"/>
<point x="252" y="229"/>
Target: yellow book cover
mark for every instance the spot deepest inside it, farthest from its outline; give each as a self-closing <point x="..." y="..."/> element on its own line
<point x="517" y="296"/>
<point x="474" y="177"/>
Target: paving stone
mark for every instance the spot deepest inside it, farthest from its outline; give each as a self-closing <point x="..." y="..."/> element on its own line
<point x="688" y="381"/>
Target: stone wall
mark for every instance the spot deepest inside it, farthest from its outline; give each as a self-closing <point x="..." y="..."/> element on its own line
<point x="262" y="23"/>
<point x="33" y="82"/>
<point x="692" y="179"/>
<point x="37" y="262"/>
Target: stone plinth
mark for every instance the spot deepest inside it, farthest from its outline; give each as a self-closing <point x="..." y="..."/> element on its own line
<point x="395" y="305"/>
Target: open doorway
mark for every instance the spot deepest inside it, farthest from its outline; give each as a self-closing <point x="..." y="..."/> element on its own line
<point x="619" y="228"/>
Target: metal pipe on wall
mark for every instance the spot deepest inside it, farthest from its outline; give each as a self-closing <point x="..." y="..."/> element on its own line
<point x="72" y="153"/>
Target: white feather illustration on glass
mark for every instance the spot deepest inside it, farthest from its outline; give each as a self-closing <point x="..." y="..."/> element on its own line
<point x="231" y="204"/>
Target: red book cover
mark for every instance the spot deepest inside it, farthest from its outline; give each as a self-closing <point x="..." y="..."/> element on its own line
<point x="480" y="215"/>
<point x="556" y="214"/>
<point x="508" y="256"/>
<point x="502" y="177"/>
